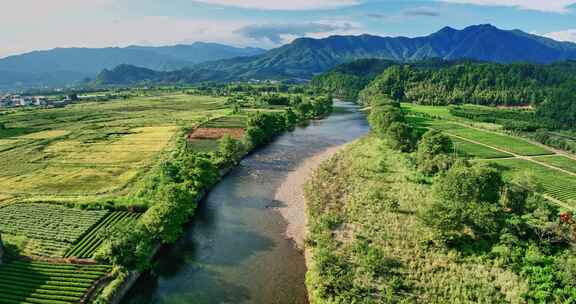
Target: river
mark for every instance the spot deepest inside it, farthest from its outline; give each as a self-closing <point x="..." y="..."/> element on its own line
<point x="235" y="250"/>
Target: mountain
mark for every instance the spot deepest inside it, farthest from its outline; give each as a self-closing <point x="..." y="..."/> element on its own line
<point x="66" y="65"/>
<point x="305" y="58"/>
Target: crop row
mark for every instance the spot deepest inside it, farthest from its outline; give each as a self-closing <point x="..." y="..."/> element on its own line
<point x="86" y="246"/>
<point x="47" y="222"/>
<point x="43" y="283"/>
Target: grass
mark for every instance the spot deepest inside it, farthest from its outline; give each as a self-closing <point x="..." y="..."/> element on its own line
<point x="492" y="139"/>
<point x="557" y="184"/>
<point x="43" y="283"/>
<point x="232" y="121"/>
<point x="368" y="246"/>
<point x="500" y="141"/>
<point x="203" y="145"/>
<point x="559" y="161"/>
<point x="472" y="150"/>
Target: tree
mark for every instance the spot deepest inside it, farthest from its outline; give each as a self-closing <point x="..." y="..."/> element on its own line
<point x="229" y="150"/>
<point x="466" y="203"/>
<point x="172" y="209"/>
<point x="401" y="137"/>
<point x="128" y="245"/>
<point x="382" y="117"/>
<point x="433" y="153"/>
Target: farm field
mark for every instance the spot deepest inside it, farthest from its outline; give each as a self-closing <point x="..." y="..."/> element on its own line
<point x="557" y="184"/>
<point x="85" y="247"/>
<point x="512" y="154"/>
<point x="95" y="148"/>
<point x="504" y="142"/>
<point x="559" y="161"/>
<point x="469" y="149"/>
<point x="49" y="230"/>
<point x="451" y="125"/>
<point x="44" y="283"/>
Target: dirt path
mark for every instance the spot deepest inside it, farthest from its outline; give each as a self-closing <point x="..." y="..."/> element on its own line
<point x="291" y="195"/>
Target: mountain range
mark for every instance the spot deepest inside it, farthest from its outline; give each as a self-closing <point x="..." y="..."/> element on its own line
<point x="68" y="65"/>
<point x="305" y="58"/>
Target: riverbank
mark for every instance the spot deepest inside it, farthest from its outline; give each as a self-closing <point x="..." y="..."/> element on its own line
<point x="291" y="195"/>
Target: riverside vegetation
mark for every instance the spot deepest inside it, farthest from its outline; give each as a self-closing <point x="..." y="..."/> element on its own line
<point x="399" y="217"/>
<point x="463" y="192"/>
<point x="91" y="189"/>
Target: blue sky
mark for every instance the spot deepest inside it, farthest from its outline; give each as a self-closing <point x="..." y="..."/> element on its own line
<point x="43" y="24"/>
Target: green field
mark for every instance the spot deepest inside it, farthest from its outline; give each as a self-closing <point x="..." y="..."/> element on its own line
<point x="94" y="148"/>
<point x="500" y="141"/>
<point x="49" y="229"/>
<point x="43" y="283"/>
<point x="472" y="150"/>
<point x="558" y="185"/>
<point x="87" y="245"/>
<point x="559" y="161"/>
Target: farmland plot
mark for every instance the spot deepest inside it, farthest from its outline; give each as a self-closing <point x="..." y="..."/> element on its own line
<point x="559" y="161"/>
<point x="43" y="283"/>
<point x="49" y="229"/>
<point x="558" y="185"/>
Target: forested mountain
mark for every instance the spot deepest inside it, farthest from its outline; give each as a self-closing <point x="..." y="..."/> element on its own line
<point x="305" y="58"/>
<point x="68" y="65"/>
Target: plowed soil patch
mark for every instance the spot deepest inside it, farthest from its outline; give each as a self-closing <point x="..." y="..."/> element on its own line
<point x="215" y="133"/>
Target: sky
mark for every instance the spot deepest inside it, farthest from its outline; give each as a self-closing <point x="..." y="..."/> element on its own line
<point x="27" y="25"/>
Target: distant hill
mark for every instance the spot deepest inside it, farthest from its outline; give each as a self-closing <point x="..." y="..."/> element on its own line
<point x="68" y="65"/>
<point x="306" y="57"/>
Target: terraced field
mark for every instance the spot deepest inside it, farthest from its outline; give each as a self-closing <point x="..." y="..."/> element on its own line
<point x="87" y="245"/>
<point x="43" y="283"/>
<point x="558" y="185"/>
<point x="50" y="230"/>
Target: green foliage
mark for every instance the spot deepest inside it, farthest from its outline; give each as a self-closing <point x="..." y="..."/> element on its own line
<point x="401" y="137"/>
<point x="561" y="107"/>
<point x="433" y="153"/>
<point x="467" y="198"/>
<point x="229" y="151"/>
<point x="382" y="117"/>
<point x="347" y="80"/>
<point x="174" y="207"/>
<point x="128" y="245"/>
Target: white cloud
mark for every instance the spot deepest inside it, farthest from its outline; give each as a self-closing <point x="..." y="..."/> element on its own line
<point x="557" y="6"/>
<point x="567" y="35"/>
<point x="292" y="5"/>
<point x="28" y="11"/>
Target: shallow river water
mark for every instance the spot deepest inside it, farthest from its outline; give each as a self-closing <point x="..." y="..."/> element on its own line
<point x="235" y="250"/>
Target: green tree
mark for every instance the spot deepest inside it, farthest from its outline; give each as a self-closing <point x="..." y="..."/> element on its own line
<point x="229" y="150"/>
<point x="382" y="117"/>
<point x="401" y="137"/>
<point x="433" y="154"/>
<point x="466" y="203"/>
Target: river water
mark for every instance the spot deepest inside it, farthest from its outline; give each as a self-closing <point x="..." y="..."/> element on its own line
<point x="235" y="251"/>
